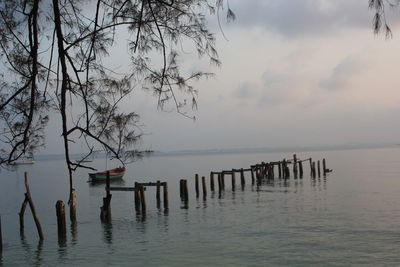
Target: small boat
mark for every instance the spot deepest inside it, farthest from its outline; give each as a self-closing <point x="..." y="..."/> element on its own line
<point x="115" y="174"/>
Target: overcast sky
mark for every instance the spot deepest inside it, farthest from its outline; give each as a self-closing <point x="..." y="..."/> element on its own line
<point x="294" y="73"/>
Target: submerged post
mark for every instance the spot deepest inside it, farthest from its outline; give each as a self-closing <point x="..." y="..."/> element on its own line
<point x="242" y="180"/>
<point x="212" y="181"/>
<point x="295" y="166"/>
<point x="252" y="175"/>
<point x="165" y="195"/>
<point x="301" y="169"/>
<point x="158" y="194"/>
<point x="324" y="167"/>
<point x="72" y="206"/>
<point x="142" y="199"/>
<point x="233" y="180"/>
<point x="319" y="170"/>
<point x="197" y="185"/>
<point x="137" y="198"/>
<point x="61" y="225"/>
<point x="219" y="183"/>
<point x="203" y="182"/>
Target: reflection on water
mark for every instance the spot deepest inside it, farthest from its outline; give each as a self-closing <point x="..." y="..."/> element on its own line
<point x="279" y="222"/>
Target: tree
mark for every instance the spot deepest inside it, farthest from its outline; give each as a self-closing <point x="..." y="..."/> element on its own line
<point x="380" y="22"/>
<point x="53" y="53"/>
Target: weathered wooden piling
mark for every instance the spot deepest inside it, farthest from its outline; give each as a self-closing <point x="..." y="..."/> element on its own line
<point x="137" y="198"/>
<point x="142" y="199"/>
<point x="219" y="183"/>
<point x="313" y="169"/>
<point x="280" y="169"/>
<point x="223" y="180"/>
<point x="105" y="210"/>
<point x="158" y="198"/>
<point x="212" y="181"/>
<point x="242" y="179"/>
<point x="301" y="169"/>
<point x="252" y="175"/>
<point x="61" y="225"/>
<point x="295" y="166"/>
<point x="319" y="170"/>
<point x="233" y="180"/>
<point x="72" y="206"/>
<point x="311" y="166"/>
<point x="165" y="185"/>
<point x="203" y="183"/>
<point x="324" y="166"/>
<point x="197" y="185"/>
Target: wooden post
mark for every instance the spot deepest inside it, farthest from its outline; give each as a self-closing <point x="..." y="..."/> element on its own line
<point x="142" y="199"/>
<point x="165" y="195"/>
<point x="223" y="180"/>
<point x="319" y="170"/>
<point x="252" y="175"/>
<point x="233" y="180"/>
<point x="61" y="225"/>
<point x="72" y="207"/>
<point x="301" y="169"/>
<point x="181" y="188"/>
<point x="197" y="185"/>
<point x="242" y="179"/>
<point x="203" y="181"/>
<point x="295" y="166"/>
<point x="137" y="198"/>
<point x="219" y="183"/>
<point x="313" y="169"/>
<point x="186" y="190"/>
<point x="280" y="169"/>
<point x="324" y="166"/>
<point x="158" y="194"/>
<point x="212" y="181"/>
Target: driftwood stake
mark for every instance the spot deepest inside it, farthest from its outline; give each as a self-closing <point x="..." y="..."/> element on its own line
<point x="319" y="170"/>
<point x="28" y="199"/>
<point x="61" y="225"/>
<point x="324" y="166"/>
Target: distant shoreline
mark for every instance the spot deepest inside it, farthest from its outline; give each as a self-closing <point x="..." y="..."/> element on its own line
<point x="234" y="150"/>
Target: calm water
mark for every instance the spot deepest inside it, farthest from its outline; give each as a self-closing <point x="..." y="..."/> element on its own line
<point x="351" y="217"/>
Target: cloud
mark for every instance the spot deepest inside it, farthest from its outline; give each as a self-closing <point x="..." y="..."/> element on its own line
<point x="274" y="88"/>
<point x="245" y="89"/>
<point x="341" y="74"/>
<point x="293" y="18"/>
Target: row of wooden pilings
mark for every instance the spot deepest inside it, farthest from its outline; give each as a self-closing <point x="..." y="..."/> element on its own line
<point x="259" y="172"/>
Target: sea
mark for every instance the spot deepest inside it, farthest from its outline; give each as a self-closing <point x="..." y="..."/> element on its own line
<point x="350" y="217"/>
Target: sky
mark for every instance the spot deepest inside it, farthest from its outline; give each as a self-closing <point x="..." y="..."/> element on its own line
<point x="293" y="74"/>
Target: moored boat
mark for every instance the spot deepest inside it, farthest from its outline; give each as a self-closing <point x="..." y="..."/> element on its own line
<point x="115" y="174"/>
